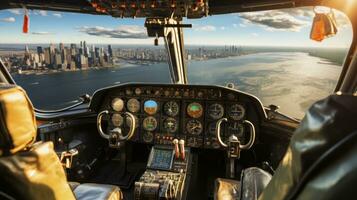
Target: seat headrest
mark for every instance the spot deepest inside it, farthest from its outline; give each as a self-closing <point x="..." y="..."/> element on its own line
<point x="18" y="126"/>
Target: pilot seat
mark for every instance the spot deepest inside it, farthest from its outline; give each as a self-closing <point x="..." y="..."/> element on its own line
<point x="32" y="170"/>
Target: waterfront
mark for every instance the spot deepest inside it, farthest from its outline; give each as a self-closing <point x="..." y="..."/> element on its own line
<point x="291" y="80"/>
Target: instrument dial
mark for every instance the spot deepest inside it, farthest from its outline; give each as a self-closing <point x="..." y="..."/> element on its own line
<point x="194" y="127"/>
<point x="128" y="92"/>
<point x="150" y="107"/>
<point x="138" y="91"/>
<point x="194" y="110"/>
<point x="236" y="128"/>
<point x="148" y="137"/>
<point x="236" y="112"/>
<point x="117" y="104"/>
<point x="117" y="120"/>
<point x="170" y="125"/>
<point x="171" y="108"/>
<point x="150" y="123"/>
<point x="133" y="105"/>
<point x="128" y="122"/>
<point x="216" y="111"/>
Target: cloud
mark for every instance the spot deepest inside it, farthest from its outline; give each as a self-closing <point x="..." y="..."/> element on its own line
<point x="207" y="28"/>
<point x="255" y="34"/>
<point x="274" y="20"/>
<point x="40" y="12"/>
<point x="293" y="19"/>
<point x="42" y="33"/>
<point x="242" y="25"/>
<point x="15" y="11"/>
<point x="8" y="19"/>
<point x="129" y="31"/>
<point x="59" y="15"/>
<point x="222" y="28"/>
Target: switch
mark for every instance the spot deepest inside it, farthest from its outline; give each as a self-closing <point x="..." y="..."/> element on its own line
<point x="177" y="150"/>
<point x="182" y="149"/>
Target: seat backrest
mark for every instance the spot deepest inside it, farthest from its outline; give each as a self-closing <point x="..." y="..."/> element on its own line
<point x="28" y="170"/>
<point x="17" y="120"/>
<point x="325" y="142"/>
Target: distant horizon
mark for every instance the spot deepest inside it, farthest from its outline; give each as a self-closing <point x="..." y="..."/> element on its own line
<point x="186" y="45"/>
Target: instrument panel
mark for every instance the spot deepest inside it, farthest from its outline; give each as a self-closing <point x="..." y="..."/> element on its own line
<point x="189" y="112"/>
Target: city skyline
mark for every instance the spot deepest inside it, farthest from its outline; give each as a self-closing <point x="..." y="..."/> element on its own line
<point x="247" y="29"/>
<point x="82" y="56"/>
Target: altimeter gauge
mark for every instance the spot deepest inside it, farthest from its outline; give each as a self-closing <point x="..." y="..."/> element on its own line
<point x="133" y="105"/>
<point x="194" y="110"/>
<point x="128" y="122"/>
<point x="216" y="111"/>
<point x="236" y="112"/>
<point x="170" y="125"/>
<point x="150" y="107"/>
<point x="150" y="123"/>
<point x="194" y="127"/>
<point x="117" y="104"/>
<point x="171" y="108"/>
<point x="117" y="120"/>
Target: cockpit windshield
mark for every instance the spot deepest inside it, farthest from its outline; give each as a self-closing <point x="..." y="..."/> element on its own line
<point x="268" y="54"/>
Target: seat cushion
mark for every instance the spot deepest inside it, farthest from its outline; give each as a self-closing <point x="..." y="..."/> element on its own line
<point x="226" y="189"/>
<point x="253" y="182"/>
<point x="92" y="191"/>
<point x="34" y="174"/>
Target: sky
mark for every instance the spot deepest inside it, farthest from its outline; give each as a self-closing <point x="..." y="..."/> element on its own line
<point x="289" y="27"/>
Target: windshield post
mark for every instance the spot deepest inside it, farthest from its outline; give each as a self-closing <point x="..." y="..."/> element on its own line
<point x="171" y="31"/>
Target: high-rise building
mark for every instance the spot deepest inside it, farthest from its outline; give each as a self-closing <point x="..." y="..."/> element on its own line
<point x="47" y="56"/>
<point x="39" y="50"/>
<point x="58" y="60"/>
<point x="110" y="51"/>
<point x="27" y="51"/>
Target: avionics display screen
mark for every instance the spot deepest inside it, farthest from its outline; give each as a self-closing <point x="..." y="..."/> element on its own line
<point x="161" y="159"/>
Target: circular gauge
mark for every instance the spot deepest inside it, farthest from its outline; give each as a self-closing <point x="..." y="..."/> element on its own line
<point x="128" y="121"/>
<point x="117" y="104"/>
<point x="117" y="120"/>
<point x="148" y="137"/>
<point x="216" y="111"/>
<point x="167" y="93"/>
<point x="236" y="128"/>
<point x="138" y="91"/>
<point x="133" y="105"/>
<point x="194" y="127"/>
<point x="171" y="108"/>
<point x="236" y="112"/>
<point x="128" y="92"/>
<point x="170" y="125"/>
<point x="150" y="107"/>
<point x="194" y="110"/>
<point x="150" y="123"/>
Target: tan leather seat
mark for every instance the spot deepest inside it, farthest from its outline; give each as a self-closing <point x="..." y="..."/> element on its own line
<point x="30" y="170"/>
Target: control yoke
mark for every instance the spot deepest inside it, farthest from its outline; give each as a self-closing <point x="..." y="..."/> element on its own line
<point x="234" y="146"/>
<point x="115" y="136"/>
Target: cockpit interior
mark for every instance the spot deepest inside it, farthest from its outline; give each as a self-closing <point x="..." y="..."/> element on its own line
<point x="180" y="140"/>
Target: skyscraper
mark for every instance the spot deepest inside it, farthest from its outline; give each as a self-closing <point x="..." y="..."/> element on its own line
<point x="110" y="51"/>
<point x="39" y="50"/>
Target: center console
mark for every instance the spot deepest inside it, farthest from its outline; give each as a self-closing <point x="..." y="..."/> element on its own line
<point x="166" y="174"/>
